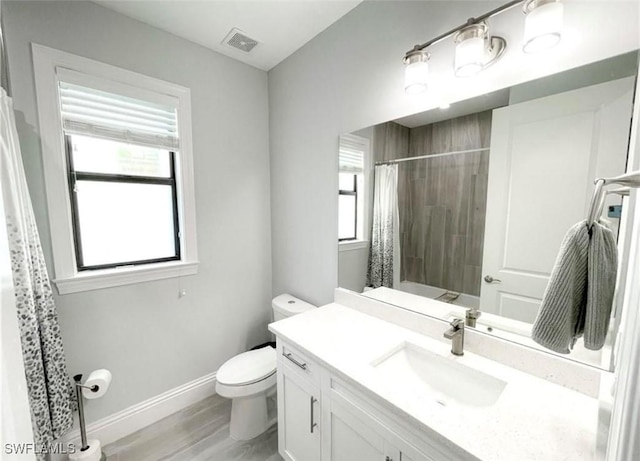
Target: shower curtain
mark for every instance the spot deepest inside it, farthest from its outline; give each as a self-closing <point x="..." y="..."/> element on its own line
<point x="48" y="385"/>
<point x="384" y="233"/>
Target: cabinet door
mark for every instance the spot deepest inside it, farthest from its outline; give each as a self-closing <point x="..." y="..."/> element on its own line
<point x="405" y="457"/>
<point x="298" y="417"/>
<point x="354" y="439"/>
<point x="404" y="451"/>
<point x="356" y="434"/>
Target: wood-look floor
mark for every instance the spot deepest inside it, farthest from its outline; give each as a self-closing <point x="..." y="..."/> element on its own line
<point x="197" y="433"/>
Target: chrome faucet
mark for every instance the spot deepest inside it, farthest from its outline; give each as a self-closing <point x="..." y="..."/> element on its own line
<point x="471" y="317"/>
<point x="456" y="335"/>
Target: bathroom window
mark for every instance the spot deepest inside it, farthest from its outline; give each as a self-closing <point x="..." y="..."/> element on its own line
<point x="352" y="191"/>
<point x="348" y="207"/>
<point x="118" y="168"/>
<point x="124" y="203"/>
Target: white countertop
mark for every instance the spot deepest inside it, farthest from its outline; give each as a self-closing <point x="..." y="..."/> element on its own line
<point x="532" y="420"/>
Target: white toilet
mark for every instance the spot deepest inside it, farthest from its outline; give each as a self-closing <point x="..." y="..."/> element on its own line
<point x="249" y="379"/>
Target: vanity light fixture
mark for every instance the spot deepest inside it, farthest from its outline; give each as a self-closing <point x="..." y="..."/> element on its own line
<point x="416" y="72"/>
<point x="476" y="49"/>
<point x="543" y="24"/>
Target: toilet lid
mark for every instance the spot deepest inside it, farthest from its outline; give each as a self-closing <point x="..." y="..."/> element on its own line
<point x="248" y="367"/>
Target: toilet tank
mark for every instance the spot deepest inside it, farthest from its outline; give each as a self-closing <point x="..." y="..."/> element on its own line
<point x="286" y="305"/>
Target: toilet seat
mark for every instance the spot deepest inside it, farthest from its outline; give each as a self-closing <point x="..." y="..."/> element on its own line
<point x="248" y="368"/>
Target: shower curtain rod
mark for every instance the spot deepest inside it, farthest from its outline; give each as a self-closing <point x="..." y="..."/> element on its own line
<point x="443" y="154"/>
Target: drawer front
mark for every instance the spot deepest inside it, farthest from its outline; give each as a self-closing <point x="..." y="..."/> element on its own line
<point x="298" y="362"/>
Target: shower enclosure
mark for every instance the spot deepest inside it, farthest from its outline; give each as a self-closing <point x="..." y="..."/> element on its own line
<point x="442" y="190"/>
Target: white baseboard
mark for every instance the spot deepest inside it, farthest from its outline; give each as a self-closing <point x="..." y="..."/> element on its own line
<point x="136" y="417"/>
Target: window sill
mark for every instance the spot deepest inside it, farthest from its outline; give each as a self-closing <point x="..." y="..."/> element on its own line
<point x="353" y="245"/>
<point x="98" y="279"/>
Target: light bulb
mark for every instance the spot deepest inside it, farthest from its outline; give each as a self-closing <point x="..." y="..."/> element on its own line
<point x="416" y="72"/>
<point x="471" y="49"/>
<point x="543" y="25"/>
<point x="469" y="57"/>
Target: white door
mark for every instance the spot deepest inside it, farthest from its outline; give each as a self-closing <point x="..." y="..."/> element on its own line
<point x="298" y="417"/>
<point x="545" y="155"/>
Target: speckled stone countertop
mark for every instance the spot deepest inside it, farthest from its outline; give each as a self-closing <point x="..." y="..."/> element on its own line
<point x="532" y="419"/>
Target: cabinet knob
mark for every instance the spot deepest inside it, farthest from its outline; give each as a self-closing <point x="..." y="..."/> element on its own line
<point x="388" y="459"/>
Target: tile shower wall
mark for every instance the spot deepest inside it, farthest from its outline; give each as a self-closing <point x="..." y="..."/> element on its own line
<point x="390" y="141"/>
<point x="442" y="201"/>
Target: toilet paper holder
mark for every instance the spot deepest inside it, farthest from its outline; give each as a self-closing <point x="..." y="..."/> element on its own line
<point x="77" y="378"/>
<point x="83" y="430"/>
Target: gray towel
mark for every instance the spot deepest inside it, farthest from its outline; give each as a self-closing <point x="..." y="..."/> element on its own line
<point x="601" y="283"/>
<point x="579" y="295"/>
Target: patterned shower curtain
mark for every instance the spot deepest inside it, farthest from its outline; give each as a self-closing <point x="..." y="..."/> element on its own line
<point x="49" y="387"/>
<point x="384" y="233"/>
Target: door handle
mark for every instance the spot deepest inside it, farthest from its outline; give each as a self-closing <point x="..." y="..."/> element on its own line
<point x="312" y="424"/>
<point x="489" y="279"/>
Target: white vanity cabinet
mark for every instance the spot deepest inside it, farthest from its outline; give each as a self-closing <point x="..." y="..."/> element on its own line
<point x="382" y="392"/>
<point x="322" y="418"/>
<point x="298" y="407"/>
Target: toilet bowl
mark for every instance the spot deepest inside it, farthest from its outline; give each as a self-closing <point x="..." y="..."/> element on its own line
<point x="249" y="379"/>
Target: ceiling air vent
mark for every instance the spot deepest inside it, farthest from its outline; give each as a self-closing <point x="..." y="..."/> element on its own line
<point x="238" y="40"/>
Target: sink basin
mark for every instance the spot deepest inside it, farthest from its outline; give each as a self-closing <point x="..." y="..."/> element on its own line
<point x="447" y="380"/>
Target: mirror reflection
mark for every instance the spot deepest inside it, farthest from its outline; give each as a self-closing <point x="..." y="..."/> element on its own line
<point x="459" y="212"/>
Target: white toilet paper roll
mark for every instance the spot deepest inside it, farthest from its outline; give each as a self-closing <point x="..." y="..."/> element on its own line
<point x="93" y="453"/>
<point x="100" y="378"/>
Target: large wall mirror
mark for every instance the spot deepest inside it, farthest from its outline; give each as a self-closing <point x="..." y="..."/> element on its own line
<point x="475" y="198"/>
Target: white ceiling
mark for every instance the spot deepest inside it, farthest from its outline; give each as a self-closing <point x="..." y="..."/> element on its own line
<point x="280" y="26"/>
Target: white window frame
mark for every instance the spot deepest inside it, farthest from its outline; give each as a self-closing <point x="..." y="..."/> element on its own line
<point x="364" y="195"/>
<point x="67" y="278"/>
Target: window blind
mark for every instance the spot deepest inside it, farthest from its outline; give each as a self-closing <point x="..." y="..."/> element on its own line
<point x="352" y="152"/>
<point x="104" y="114"/>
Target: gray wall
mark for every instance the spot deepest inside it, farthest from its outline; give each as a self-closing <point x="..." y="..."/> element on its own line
<point x="352" y="268"/>
<point x="351" y="76"/>
<point x="150" y="339"/>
